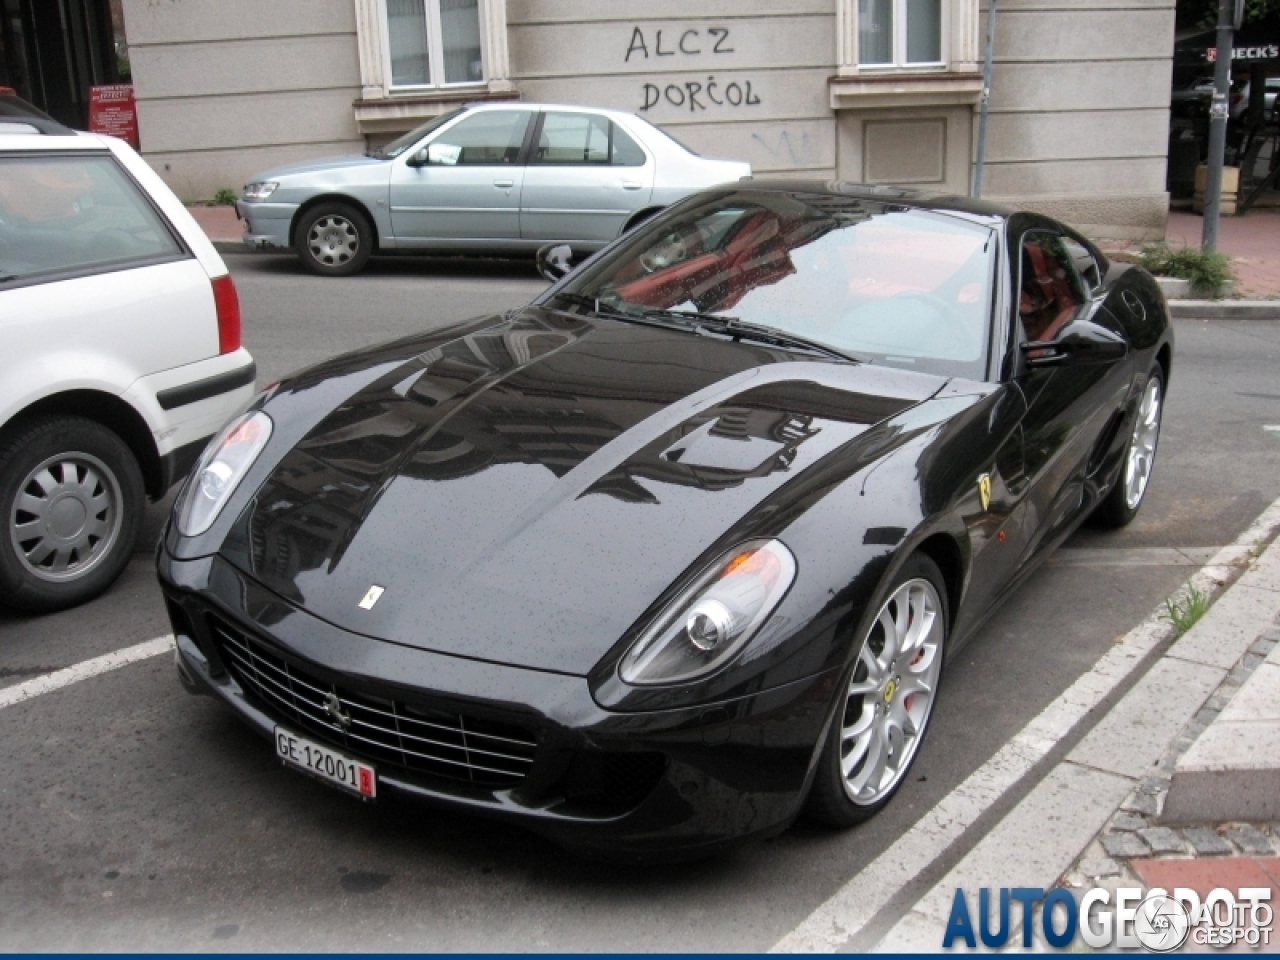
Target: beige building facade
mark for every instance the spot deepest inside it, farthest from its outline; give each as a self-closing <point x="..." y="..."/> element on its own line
<point x="879" y="91"/>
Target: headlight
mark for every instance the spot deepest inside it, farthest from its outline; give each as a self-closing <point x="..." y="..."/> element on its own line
<point x="711" y="620"/>
<point x="221" y="467"/>
<point x="258" y="191"/>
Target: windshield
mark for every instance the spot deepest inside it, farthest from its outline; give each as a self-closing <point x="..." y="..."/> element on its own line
<point x="898" y="286"/>
<point x="402" y="143"/>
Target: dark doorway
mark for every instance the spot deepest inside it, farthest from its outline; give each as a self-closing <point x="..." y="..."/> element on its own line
<point x="53" y="51"/>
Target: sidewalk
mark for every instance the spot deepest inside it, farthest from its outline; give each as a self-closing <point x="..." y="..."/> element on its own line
<point x="1253" y="241"/>
<point x="221" y="227"/>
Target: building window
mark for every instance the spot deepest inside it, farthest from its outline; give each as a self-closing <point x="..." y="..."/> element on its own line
<point x="899" y="33"/>
<point x="434" y="43"/>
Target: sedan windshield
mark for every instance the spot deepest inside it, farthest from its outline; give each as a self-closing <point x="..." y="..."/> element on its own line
<point x="893" y="285"/>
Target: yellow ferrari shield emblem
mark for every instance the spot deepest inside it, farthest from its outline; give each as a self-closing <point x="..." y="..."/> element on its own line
<point x="984" y="491"/>
<point x="889" y="689"/>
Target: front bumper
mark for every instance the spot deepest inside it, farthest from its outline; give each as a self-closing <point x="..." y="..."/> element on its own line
<point x="266" y="224"/>
<point x="638" y="785"/>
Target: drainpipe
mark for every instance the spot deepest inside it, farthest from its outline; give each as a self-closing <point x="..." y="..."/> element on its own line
<point x="986" y="98"/>
<point x="1219" y="111"/>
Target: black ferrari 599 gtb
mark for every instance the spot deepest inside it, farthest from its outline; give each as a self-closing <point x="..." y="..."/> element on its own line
<point x="680" y="549"/>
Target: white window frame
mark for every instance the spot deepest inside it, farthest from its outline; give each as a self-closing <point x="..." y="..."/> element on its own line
<point x="435" y="52"/>
<point x="900" y="64"/>
<point x="375" y="63"/>
<point x="960" y="42"/>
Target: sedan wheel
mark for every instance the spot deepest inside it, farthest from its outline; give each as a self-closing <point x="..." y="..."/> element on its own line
<point x="886" y="705"/>
<point x="334" y="239"/>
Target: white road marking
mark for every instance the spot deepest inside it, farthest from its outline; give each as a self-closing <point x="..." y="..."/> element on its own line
<point x="22" y="692"/>
<point x="863" y="896"/>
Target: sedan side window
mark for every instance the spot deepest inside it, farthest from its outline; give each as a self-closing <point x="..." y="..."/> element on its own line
<point x="490" y="137"/>
<point x="624" y="151"/>
<point x="1050" y="290"/>
<point x="573" y="138"/>
<point x="585" y="138"/>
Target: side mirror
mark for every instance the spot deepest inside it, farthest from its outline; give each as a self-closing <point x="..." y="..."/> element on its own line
<point x="1079" y="342"/>
<point x="555" y="260"/>
<point x="417" y="159"/>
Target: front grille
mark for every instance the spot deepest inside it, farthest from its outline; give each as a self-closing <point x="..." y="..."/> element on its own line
<point x="385" y="730"/>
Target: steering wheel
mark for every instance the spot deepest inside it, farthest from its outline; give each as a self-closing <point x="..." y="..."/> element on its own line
<point x="670" y="249"/>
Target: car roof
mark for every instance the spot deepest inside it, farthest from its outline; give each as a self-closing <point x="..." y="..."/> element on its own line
<point x="973" y="207"/>
<point x="71" y="140"/>
<point x="526" y="105"/>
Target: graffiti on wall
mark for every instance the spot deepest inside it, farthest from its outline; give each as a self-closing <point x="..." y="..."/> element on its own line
<point x="692" y="94"/>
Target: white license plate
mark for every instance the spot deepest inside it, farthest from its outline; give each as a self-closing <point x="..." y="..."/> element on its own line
<point x="327" y="764"/>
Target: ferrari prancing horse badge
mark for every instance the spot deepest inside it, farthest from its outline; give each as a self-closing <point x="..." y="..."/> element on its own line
<point x="984" y="491"/>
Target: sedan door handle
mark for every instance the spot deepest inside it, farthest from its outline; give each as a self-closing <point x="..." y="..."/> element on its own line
<point x="631" y="184"/>
<point x="504" y="184"/>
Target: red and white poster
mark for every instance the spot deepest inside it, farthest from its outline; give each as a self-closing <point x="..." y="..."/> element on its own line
<point x="112" y="111"/>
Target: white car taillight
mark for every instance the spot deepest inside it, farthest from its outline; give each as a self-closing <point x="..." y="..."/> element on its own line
<point x="227" y="304"/>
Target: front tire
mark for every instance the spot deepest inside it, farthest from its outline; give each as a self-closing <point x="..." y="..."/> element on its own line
<point x="1125" y="499"/>
<point x="334" y="239"/>
<point x="73" y="499"/>
<point x="886" y="700"/>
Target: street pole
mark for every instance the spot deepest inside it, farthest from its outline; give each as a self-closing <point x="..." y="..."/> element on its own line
<point x="1219" y="111"/>
<point x="986" y="99"/>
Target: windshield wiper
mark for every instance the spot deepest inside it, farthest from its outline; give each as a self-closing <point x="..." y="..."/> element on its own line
<point x="593" y="304"/>
<point x="652" y="318"/>
<point x="744" y="330"/>
<point x="688" y="315"/>
<point x="695" y="322"/>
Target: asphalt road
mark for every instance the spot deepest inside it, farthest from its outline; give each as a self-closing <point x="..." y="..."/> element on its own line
<point x="133" y="816"/>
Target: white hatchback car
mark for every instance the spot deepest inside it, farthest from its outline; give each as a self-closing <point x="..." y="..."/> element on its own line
<point x="120" y="357"/>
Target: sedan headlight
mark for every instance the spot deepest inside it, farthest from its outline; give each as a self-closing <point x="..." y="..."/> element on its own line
<point x="222" y="465"/>
<point x="713" y="618"/>
<point x="258" y="191"/>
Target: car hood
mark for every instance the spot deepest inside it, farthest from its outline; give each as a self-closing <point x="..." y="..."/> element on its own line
<point x="317" y="166"/>
<point x="523" y="493"/>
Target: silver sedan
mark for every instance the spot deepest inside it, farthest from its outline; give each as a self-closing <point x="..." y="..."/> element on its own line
<point x="500" y="177"/>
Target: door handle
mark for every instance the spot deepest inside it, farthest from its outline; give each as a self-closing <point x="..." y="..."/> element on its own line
<point x="631" y="184"/>
<point x="504" y="184"/>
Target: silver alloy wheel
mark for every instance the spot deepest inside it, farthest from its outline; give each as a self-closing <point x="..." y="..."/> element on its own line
<point x="333" y="240"/>
<point x="1141" y="455"/>
<point x="66" y="517"/>
<point x="892" y="691"/>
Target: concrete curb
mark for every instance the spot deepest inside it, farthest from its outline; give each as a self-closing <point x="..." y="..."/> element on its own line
<point x="1225" y="309"/>
<point x="231" y="246"/>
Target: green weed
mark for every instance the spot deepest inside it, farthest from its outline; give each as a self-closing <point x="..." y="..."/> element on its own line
<point x="1209" y="273"/>
<point x="225" y="197"/>
<point x="1185" y="611"/>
